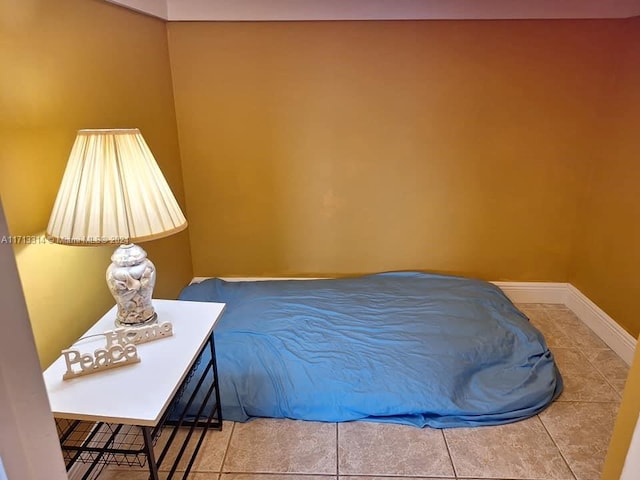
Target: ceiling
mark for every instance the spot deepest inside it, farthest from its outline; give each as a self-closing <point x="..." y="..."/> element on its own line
<point x="290" y="10"/>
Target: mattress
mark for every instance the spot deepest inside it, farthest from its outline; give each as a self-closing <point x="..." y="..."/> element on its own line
<point x="404" y="347"/>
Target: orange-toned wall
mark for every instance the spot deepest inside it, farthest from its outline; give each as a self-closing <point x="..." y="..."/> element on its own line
<point x="606" y="257"/>
<point x="347" y="147"/>
<point x="67" y="65"/>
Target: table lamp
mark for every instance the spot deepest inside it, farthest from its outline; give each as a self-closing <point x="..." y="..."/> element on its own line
<point x="113" y="192"/>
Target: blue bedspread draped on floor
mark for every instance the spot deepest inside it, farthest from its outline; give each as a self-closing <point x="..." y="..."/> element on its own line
<point x="404" y="347"/>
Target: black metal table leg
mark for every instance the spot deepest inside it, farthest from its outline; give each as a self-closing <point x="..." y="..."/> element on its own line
<point x="218" y="407"/>
<point x="151" y="458"/>
<point x="104" y="443"/>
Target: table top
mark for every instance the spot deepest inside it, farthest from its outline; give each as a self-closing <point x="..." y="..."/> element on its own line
<point x="135" y="394"/>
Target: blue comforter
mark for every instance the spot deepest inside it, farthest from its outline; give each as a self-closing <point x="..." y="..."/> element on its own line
<point x="405" y="347"/>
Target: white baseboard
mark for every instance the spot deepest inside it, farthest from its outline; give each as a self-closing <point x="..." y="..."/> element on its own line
<point x="593" y="316"/>
<point x="534" y="292"/>
<point x="611" y="333"/>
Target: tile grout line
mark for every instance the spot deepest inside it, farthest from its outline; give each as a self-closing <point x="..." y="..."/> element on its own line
<point x="562" y="327"/>
<point x="580" y="350"/>
<point x="617" y="401"/>
<point x="597" y="371"/>
<point x="446" y="444"/>
<point x="557" y="446"/>
<point x="583" y="351"/>
<point x="538" y="416"/>
<point x="226" y="450"/>
<point x="337" y="451"/>
<point x="417" y="476"/>
<point x="279" y="474"/>
<point x="595" y="366"/>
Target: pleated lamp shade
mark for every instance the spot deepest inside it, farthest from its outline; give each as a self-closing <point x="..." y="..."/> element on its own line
<point x="113" y="191"/>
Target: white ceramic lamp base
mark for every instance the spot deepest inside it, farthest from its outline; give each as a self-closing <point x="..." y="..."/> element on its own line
<point x="131" y="278"/>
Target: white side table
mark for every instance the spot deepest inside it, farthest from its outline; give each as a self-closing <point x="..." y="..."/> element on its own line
<point x="115" y="416"/>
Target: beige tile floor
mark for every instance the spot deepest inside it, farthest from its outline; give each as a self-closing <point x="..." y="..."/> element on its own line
<point x="567" y="441"/>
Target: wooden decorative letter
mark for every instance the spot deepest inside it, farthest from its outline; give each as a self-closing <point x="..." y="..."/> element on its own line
<point x="103" y="359"/>
<point x="138" y="335"/>
<point x="119" y="351"/>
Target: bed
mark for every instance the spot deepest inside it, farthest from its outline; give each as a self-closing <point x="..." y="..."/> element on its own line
<point x="404" y="347"/>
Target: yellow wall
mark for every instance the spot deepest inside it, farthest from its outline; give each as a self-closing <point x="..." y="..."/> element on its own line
<point x="606" y="258"/>
<point x="502" y="150"/>
<point x="346" y="147"/>
<point x="67" y="65"/>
